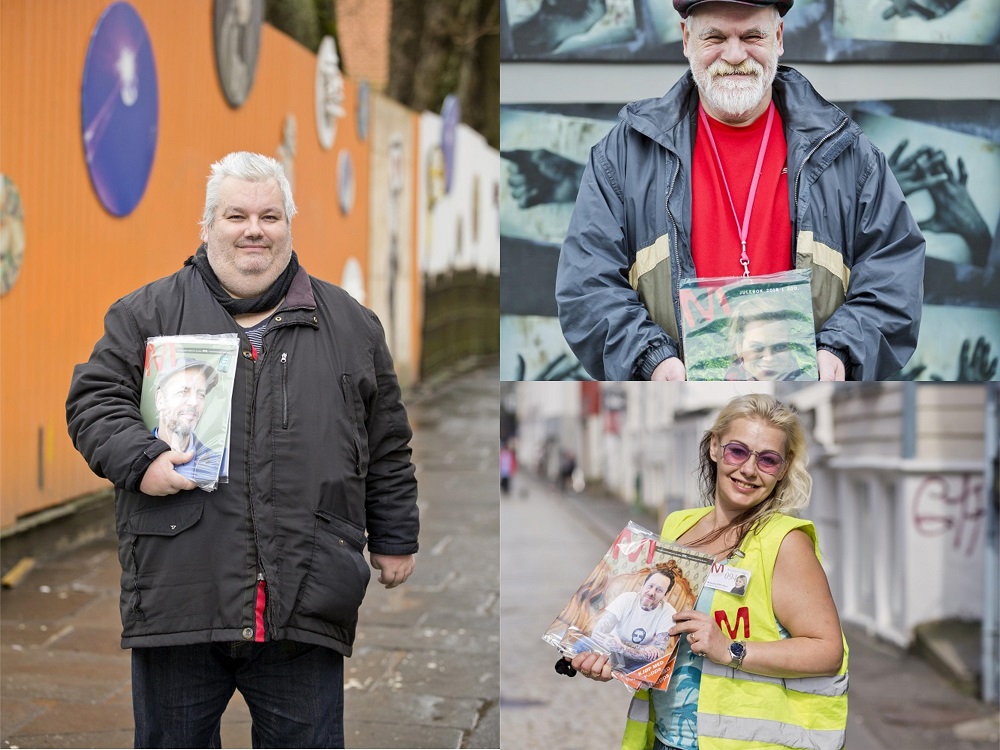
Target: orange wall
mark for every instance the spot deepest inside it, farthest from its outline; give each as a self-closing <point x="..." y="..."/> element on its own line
<point x="78" y="258"/>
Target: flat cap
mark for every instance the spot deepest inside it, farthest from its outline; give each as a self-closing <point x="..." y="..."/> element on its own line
<point x="684" y="6"/>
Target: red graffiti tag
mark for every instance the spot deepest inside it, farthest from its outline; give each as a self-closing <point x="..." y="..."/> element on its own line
<point x="952" y="508"/>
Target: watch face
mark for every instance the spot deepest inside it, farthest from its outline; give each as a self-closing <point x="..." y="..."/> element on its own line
<point x="737" y="650"/>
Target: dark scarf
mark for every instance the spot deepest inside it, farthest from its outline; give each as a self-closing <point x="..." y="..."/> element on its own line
<point x="235" y="306"/>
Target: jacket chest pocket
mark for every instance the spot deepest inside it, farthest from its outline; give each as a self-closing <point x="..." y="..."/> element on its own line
<point x="355" y="414"/>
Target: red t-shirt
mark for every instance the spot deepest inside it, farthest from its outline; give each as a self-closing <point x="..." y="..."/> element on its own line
<point x="715" y="238"/>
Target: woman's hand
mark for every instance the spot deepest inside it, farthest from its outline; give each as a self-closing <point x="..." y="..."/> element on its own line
<point x="703" y="635"/>
<point x="593" y="665"/>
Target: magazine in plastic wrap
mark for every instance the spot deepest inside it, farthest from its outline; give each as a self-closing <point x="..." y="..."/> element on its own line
<point x="627" y="604"/>
<point x="187" y="394"/>
<point x="749" y="327"/>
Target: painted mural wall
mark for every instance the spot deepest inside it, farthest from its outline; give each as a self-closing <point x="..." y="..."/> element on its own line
<point x="945" y="155"/>
<point x="818" y="30"/>
<point x="112" y="114"/>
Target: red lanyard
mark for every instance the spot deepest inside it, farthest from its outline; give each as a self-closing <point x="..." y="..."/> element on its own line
<point x="744" y="228"/>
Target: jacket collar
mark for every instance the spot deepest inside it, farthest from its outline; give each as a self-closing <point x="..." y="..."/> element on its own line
<point x="300" y="292"/>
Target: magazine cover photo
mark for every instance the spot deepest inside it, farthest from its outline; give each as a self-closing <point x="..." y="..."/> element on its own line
<point x="187" y="391"/>
<point x="627" y="605"/>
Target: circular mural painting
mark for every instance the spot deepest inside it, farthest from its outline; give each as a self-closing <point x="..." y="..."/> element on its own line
<point x="120" y="108"/>
<point x="11" y="233"/>
<point x="451" y="116"/>
<point x="329" y="92"/>
<point x="363" y="110"/>
<point x="352" y="280"/>
<point x="345" y="182"/>
<point x="236" y="29"/>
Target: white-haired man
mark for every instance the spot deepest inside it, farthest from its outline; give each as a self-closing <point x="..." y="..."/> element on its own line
<point x="255" y="587"/>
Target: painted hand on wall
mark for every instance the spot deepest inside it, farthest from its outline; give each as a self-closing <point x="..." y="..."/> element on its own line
<point x="928" y="168"/>
<point x="926" y="9"/>
<point x="539" y="176"/>
<point x="555" y="22"/>
<point x="974" y="367"/>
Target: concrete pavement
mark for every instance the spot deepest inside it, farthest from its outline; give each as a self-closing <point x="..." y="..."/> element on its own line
<point x="551" y="541"/>
<point x="425" y="670"/>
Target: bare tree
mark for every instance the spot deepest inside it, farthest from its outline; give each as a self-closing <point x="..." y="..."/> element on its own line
<point x="441" y="47"/>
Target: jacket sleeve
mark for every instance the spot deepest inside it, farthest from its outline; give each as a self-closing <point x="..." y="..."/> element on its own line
<point x="875" y="330"/>
<point x="603" y="320"/>
<point x="102" y="409"/>
<point x="391" y="485"/>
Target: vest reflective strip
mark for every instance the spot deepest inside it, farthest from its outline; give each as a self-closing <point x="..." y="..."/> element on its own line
<point x="648" y="258"/>
<point x="829" y="686"/>
<point x="638" y="710"/>
<point x="773" y="732"/>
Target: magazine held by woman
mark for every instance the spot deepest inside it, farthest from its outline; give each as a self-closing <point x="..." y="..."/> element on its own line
<point x="627" y="604"/>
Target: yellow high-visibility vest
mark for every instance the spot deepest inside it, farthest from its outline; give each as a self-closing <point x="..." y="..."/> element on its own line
<point x="738" y="710"/>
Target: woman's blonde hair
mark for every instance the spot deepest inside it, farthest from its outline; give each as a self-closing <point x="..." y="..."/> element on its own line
<point x="791" y="492"/>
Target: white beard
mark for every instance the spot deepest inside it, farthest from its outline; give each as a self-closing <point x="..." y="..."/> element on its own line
<point x="735" y="97"/>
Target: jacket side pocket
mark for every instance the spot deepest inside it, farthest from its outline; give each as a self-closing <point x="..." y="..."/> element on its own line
<point x="338" y="575"/>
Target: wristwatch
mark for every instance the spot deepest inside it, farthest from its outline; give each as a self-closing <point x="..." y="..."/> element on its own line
<point x="738" y="651"/>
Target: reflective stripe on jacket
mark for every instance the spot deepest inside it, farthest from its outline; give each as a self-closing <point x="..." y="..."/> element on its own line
<point x="736" y="709"/>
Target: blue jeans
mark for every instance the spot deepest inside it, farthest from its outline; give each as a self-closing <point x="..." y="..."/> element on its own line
<point x="295" y="693"/>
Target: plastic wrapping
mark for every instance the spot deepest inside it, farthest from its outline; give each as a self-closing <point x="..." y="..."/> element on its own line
<point x="187" y="394"/>
<point x="626" y="605"/>
<point x="749" y="328"/>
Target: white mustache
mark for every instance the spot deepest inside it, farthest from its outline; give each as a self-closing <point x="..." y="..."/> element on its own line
<point x="747" y="67"/>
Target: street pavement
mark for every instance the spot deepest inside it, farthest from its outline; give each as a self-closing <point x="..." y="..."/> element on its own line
<point x="425" y="670"/>
<point x="550" y="543"/>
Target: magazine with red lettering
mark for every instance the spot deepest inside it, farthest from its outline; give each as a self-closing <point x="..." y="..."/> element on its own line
<point x="187" y="393"/>
<point x="626" y="606"/>
<point x="749" y="327"/>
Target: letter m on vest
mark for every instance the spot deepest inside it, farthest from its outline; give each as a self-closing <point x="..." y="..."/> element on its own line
<point x="742" y="615"/>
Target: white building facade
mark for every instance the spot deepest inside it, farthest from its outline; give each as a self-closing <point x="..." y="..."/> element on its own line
<point x="900" y="491"/>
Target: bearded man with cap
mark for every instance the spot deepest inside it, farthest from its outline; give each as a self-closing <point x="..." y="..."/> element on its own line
<point x="742" y="167"/>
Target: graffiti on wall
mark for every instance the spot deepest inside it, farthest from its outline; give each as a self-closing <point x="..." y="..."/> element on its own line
<point x="544" y="150"/>
<point x="946" y="158"/>
<point x="951" y="507"/>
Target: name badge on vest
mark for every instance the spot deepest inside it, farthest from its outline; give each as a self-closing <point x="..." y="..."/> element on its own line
<point x="729" y="579"/>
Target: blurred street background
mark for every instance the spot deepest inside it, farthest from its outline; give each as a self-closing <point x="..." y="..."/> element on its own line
<point x="591" y="457"/>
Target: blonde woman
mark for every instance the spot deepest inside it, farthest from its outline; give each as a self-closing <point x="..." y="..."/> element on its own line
<point x="765" y="668"/>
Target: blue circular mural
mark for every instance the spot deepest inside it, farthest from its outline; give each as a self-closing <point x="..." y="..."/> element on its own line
<point x="345" y="182"/>
<point x="120" y="106"/>
<point x="363" y="109"/>
<point x="451" y="116"/>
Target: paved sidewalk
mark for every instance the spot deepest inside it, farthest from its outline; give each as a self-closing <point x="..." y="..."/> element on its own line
<point x="552" y="540"/>
<point x="425" y="670"/>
